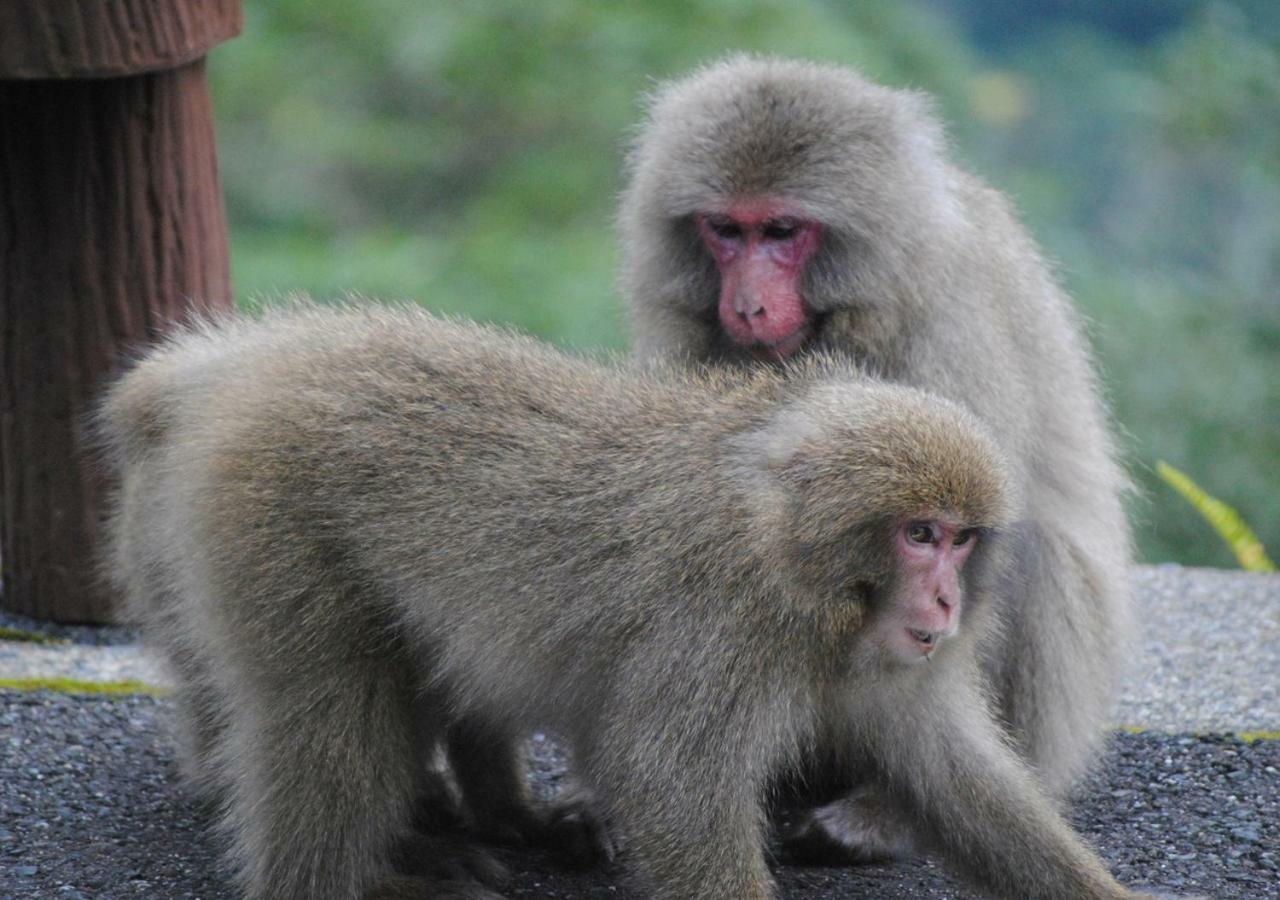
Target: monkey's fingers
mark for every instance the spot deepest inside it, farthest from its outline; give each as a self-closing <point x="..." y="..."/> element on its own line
<point x="407" y="888"/>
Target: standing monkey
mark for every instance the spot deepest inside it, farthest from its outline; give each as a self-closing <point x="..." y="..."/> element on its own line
<point x="351" y="530"/>
<point x="779" y="207"/>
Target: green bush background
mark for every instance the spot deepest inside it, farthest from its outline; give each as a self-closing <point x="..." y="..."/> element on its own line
<point x="468" y="156"/>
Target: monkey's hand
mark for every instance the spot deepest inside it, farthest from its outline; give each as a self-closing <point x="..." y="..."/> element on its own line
<point x="857" y="829"/>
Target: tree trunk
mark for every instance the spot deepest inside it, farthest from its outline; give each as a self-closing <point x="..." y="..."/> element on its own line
<point x="111" y="229"/>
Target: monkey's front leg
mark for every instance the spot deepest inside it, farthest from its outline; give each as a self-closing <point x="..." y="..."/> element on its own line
<point x="975" y="800"/>
<point x="684" y="784"/>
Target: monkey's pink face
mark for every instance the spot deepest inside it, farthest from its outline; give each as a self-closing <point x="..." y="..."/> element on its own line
<point x="761" y="248"/>
<point x="931" y="553"/>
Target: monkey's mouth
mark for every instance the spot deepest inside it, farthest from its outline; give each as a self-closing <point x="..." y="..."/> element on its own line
<point x="926" y="639"/>
<point x="781" y="350"/>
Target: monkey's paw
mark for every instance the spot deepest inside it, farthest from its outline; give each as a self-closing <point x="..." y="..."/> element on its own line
<point x="858" y="829"/>
<point x="446" y="860"/>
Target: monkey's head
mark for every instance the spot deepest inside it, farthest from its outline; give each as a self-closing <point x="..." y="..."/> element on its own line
<point x="882" y="505"/>
<point x="770" y="200"/>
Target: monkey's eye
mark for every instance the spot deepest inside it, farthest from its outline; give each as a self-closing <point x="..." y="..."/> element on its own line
<point x="921" y="533"/>
<point x="724" y="227"/>
<point x="963" y="537"/>
<point x="780" y="229"/>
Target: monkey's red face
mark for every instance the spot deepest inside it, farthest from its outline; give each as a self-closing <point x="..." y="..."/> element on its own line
<point x="761" y="248"/>
<point x="931" y="554"/>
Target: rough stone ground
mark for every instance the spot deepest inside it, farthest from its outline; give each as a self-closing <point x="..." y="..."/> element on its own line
<point x="89" y="807"/>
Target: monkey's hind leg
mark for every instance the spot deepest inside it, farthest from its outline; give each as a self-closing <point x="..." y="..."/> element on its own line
<point x="485" y="759"/>
<point x="200" y="725"/>
<point x="328" y="760"/>
<point x="198" y="707"/>
<point x="487" y="762"/>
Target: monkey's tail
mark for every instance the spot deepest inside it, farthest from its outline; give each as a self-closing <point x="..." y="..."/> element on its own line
<point x="137" y="410"/>
<point x="130" y="419"/>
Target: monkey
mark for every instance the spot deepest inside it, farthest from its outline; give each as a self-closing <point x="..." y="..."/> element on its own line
<point x="775" y="208"/>
<point x="361" y="526"/>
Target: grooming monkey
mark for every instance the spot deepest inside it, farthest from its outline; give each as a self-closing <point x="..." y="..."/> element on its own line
<point x="776" y="208"/>
<point x="351" y="531"/>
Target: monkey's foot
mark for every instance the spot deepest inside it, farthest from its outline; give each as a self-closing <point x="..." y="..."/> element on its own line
<point x="400" y="887"/>
<point x="437" y="807"/>
<point x="447" y="860"/>
<point x="570" y="829"/>
<point x="577" y="833"/>
<point x="858" y="829"/>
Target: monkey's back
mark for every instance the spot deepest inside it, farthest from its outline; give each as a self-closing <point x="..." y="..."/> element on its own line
<point x="318" y="470"/>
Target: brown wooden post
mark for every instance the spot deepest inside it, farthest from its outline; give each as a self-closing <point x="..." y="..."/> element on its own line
<point x="111" y="228"/>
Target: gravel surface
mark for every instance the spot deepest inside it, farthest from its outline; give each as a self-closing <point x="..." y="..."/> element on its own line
<point x="1207" y="654"/>
<point x="89" y="809"/>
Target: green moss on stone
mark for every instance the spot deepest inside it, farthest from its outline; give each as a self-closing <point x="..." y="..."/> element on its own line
<point x="17" y="634"/>
<point x="74" y="686"/>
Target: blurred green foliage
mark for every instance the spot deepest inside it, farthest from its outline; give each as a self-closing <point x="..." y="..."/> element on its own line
<point x="469" y="155"/>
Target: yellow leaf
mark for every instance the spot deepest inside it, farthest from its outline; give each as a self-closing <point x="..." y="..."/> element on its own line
<point x="1225" y="520"/>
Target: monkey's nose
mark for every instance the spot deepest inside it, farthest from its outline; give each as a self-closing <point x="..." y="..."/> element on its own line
<point x="749" y="307"/>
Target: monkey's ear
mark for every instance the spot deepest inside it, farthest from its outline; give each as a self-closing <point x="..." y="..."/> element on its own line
<point x="771" y="461"/>
<point x="771" y="485"/>
<point x="783" y="448"/>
